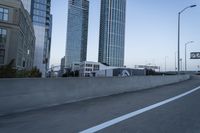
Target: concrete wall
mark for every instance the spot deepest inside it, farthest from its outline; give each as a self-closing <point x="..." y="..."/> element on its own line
<point x="25" y="94"/>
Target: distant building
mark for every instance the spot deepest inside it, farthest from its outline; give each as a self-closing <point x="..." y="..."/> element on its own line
<point x="77" y="31"/>
<point x="148" y="67"/>
<point x="96" y="69"/>
<point x="17" y="39"/>
<point x="112" y="32"/>
<point x="39" y="11"/>
<point x="120" y="72"/>
<point x="62" y="66"/>
<point x="75" y="66"/>
<point x="88" y="68"/>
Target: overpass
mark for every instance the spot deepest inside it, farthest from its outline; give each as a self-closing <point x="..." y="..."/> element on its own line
<point x="173" y="108"/>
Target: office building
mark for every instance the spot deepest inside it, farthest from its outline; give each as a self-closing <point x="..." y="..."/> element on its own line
<point x="42" y="21"/>
<point x="77" y="31"/>
<point x="17" y="39"/>
<point x="112" y="32"/>
<point x="62" y="66"/>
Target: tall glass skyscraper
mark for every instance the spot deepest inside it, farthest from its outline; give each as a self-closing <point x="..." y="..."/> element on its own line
<point x="42" y="22"/>
<point x="77" y="31"/>
<point x="112" y="32"/>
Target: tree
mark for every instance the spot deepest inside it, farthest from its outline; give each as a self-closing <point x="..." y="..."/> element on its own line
<point x="8" y="71"/>
<point x="35" y="72"/>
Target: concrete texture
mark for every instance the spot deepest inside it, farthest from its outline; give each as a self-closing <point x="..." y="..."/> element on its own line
<point x="180" y="116"/>
<point x="18" y="95"/>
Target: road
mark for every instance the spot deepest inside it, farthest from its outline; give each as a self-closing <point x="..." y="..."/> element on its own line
<point x="181" y="115"/>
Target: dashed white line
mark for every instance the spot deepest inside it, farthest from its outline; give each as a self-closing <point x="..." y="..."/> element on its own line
<point x="135" y="113"/>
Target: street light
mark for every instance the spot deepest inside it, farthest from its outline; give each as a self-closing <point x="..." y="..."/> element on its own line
<point x="179" y="20"/>
<point x="165" y="63"/>
<point x="181" y="62"/>
<point x="175" y="61"/>
<point x="186" y="53"/>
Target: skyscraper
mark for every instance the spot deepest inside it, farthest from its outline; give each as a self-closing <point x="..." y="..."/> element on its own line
<point x="77" y="31"/>
<point x="112" y="32"/>
<point x="42" y="22"/>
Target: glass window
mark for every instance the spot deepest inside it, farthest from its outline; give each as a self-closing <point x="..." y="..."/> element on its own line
<point x="2" y="54"/>
<point x="19" y="59"/>
<point x="96" y="67"/>
<point x="1" y="59"/>
<point x="3" y="14"/>
<point x="3" y="35"/>
<point x="88" y="65"/>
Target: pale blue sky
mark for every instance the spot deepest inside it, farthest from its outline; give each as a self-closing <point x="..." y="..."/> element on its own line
<point x="151" y="31"/>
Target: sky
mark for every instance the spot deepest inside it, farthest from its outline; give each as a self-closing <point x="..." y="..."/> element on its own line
<point x="151" y="32"/>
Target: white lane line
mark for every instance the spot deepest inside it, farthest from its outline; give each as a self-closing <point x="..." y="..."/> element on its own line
<point x="135" y="113"/>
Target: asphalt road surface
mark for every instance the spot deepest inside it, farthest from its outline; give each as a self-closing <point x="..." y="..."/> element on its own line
<point x="179" y="115"/>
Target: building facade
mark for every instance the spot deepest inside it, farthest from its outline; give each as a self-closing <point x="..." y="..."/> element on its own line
<point x="77" y="31"/>
<point x="27" y="5"/>
<point x="87" y="67"/>
<point x="17" y="39"/>
<point x="112" y="32"/>
<point x="62" y="66"/>
<point x="120" y="72"/>
<point x="39" y="11"/>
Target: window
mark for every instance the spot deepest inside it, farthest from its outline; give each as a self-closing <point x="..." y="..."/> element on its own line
<point x="19" y="59"/>
<point x="1" y="59"/>
<point x="24" y="63"/>
<point x="88" y="70"/>
<point x="88" y="65"/>
<point x="3" y="35"/>
<point x="3" y="14"/>
<point x="2" y="54"/>
<point x="87" y="75"/>
<point x="96" y="67"/>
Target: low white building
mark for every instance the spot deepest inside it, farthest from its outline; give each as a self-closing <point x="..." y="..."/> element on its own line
<point x="96" y="69"/>
<point x="89" y="68"/>
<point x="120" y="72"/>
<point x="155" y="68"/>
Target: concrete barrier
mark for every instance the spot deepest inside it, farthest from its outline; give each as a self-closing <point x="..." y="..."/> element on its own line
<point x="18" y="95"/>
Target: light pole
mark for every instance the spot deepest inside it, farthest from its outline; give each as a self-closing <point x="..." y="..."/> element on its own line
<point x="186" y="54"/>
<point x="165" y="63"/>
<point x="179" y="21"/>
<point x="175" y="61"/>
<point x="181" y="62"/>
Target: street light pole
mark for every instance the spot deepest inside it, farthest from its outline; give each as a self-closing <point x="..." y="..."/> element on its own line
<point x="186" y="54"/>
<point x="179" y="21"/>
<point x="175" y="61"/>
<point x="181" y="64"/>
<point x="165" y="63"/>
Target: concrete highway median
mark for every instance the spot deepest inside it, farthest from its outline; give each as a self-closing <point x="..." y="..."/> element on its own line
<point x="180" y="115"/>
<point x="18" y="95"/>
